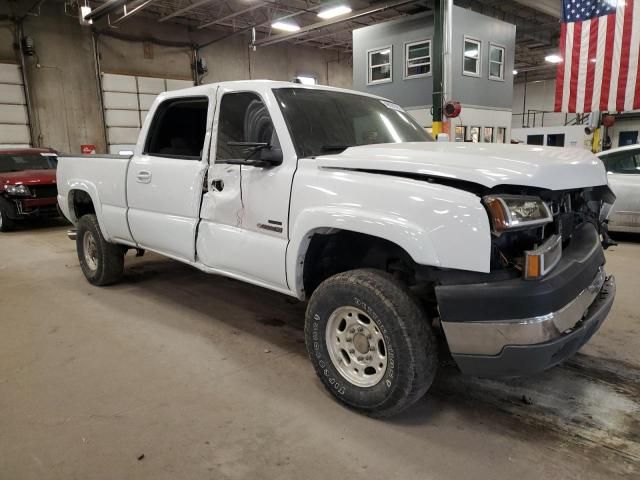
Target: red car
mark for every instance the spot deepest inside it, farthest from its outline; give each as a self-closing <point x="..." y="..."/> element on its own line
<point x="27" y="185"/>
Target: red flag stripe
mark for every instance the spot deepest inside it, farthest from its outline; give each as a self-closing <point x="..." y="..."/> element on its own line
<point x="560" y="68"/>
<point x="608" y="59"/>
<point x="636" y="102"/>
<point x="591" y="65"/>
<point x="624" y="58"/>
<point x="575" y="66"/>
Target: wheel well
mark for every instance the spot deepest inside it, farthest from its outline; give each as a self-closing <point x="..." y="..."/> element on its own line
<point x="336" y="252"/>
<point x="81" y="204"/>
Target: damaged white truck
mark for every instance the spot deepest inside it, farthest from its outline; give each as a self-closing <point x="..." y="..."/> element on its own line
<point x="342" y="199"/>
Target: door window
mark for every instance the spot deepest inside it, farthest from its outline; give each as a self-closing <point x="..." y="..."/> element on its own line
<point x="487" y="136"/>
<point x="474" y="134"/>
<point x="178" y="129"/>
<point x="243" y="118"/>
<point x="623" y="162"/>
<point x="501" y="135"/>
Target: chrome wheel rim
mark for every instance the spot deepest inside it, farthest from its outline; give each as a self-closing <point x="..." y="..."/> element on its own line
<point x="90" y="250"/>
<point x="356" y="346"/>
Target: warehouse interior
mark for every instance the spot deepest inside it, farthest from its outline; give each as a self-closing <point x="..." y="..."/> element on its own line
<point x="174" y="372"/>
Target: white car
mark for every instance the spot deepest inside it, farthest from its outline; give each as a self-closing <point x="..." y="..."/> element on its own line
<point x="623" y="169"/>
<point x="342" y="199"/>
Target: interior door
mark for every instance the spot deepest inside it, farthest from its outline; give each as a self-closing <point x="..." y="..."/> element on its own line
<point x="623" y="169"/>
<point x="165" y="177"/>
<point x="244" y="230"/>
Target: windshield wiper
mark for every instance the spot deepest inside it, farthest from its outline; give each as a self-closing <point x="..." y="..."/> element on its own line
<point x="334" y="148"/>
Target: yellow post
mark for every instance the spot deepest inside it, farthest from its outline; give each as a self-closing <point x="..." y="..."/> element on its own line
<point x="436" y="128"/>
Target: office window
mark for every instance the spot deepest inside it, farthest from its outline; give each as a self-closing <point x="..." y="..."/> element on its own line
<point x="501" y="135"/>
<point x="461" y="133"/>
<point x="471" y="64"/>
<point x="535" y="139"/>
<point x="555" y="140"/>
<point x="379" y="65"/>
<point x="487" y="135"/>
<point x="496" y="62"/>
<point x="474" y="134"/>
<point x="417" y="62"/>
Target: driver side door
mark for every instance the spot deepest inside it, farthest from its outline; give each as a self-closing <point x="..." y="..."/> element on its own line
<point x="244" y="217"/>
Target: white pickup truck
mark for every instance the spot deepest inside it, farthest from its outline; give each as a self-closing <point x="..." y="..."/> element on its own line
<point x="342" y="199"/>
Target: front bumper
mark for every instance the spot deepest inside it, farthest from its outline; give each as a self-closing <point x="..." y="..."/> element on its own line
<point x="35" y="207"/>
<point x="518" y="327"/>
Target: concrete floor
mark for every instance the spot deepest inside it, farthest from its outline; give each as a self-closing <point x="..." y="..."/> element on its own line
<point x="208" y="378"/>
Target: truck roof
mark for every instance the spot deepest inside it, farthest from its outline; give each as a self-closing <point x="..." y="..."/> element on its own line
<point x="259" y="85"/>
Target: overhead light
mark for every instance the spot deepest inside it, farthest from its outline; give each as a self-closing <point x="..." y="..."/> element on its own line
<point x="515" y="72"/>
<point x="553" y="58"/>
<point x="286" y="26"/>
<point x="306" y="80"/>
<point x="334" y="11"/>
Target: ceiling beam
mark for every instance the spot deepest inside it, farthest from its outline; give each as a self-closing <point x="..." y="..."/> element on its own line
<point x="359" y="13"/>
<point x="233" y="15"/>
<point x="186" y="9"/>
<point x="548" y="7"/>
<point x="130" y="13"/>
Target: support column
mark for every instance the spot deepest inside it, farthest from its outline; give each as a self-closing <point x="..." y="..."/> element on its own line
<point x="438" y="61"/>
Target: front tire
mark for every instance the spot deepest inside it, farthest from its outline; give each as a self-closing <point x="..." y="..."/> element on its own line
<point x="370" y="342"/>
<point x="6" y="223"/>
<point x="102" y="262"/>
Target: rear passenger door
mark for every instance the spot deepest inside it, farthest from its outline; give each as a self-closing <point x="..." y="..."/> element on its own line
<point x="165" y="177"/>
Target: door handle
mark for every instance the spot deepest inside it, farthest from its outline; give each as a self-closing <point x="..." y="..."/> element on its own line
<point x="143" y="176"/>
<point x="218" y="184"/>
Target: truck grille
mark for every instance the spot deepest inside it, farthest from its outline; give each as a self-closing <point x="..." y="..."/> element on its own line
<point x="44" y="191"/>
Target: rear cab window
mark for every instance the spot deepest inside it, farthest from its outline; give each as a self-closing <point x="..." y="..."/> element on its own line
<point x="178" y="129"/>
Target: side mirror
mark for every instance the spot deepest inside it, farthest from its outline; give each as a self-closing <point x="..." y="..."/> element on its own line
<point x="272" y="156"/>
<point x="443" y="137"/>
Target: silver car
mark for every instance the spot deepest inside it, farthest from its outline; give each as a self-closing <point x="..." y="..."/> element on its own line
<point x="623" y="169"/>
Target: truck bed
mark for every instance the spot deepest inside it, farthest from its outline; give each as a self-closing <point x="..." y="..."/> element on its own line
<point x="104" y="177"/>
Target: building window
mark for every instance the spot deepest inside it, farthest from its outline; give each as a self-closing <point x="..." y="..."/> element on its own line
<point x="379" y="63"/>
<point x="461" y="133"/>
<point x="501" y="135"/>
<point x="474" y="134"/>
<point x="472" y="52"/>
<point x="417" y="59"/>
<point x="487" y="137"/>
<point x="496" y="62"/>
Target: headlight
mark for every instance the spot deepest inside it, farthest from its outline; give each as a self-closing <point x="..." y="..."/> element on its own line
<point x="511" y="212"/>
<point x="21" y="190"/>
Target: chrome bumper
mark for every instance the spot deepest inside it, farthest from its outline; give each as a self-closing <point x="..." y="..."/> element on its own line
<point x="490" y="338"/>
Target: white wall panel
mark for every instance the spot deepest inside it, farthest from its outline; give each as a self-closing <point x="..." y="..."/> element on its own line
<point x="11" y="94"/>
<point x="14" y="114"/>
<point x="119" y="83"/>
<point x="10" y="73"/>
<point x="178" y="84"/>
<point x="122" y="118"/>
<point x="14" y="134"/>
<point x="151" y="85"/>
<point x="120" y="101"/>
<point x="122" y="135"/>
<point x="146" y="101"/>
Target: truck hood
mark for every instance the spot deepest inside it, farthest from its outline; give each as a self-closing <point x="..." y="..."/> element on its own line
<point x="28" y="177"/>
<point x="487" y="164"/>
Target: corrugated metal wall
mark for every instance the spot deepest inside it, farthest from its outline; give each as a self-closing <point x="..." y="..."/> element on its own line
<point x="14" y="120"/>
<point x="126" y="100"/>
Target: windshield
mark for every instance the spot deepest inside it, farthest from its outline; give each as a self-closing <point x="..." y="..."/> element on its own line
<point x="19" y="163"/>
<point x="326" y="122"/>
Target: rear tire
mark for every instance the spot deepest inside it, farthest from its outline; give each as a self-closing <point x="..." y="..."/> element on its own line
<point x="6" y="223"/>
<point x="102" y="262"/>
<point x="370" y="342"/>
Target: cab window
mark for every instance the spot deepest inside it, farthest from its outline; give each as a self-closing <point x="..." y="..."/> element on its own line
<point x="243" y="118"/>
<point x="178" y="129"/>
<point x="623" y="162"/>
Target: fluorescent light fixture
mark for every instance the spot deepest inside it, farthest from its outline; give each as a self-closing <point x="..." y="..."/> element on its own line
<point x="334" y="11"/>
<point x="286" y="26"/>
<point x="306" y="80"/>
<point x="553" y="58"/>
<point x="515" y="72"/>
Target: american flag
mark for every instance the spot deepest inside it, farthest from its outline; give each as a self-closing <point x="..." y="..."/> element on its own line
<point x="600" y="46"/>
